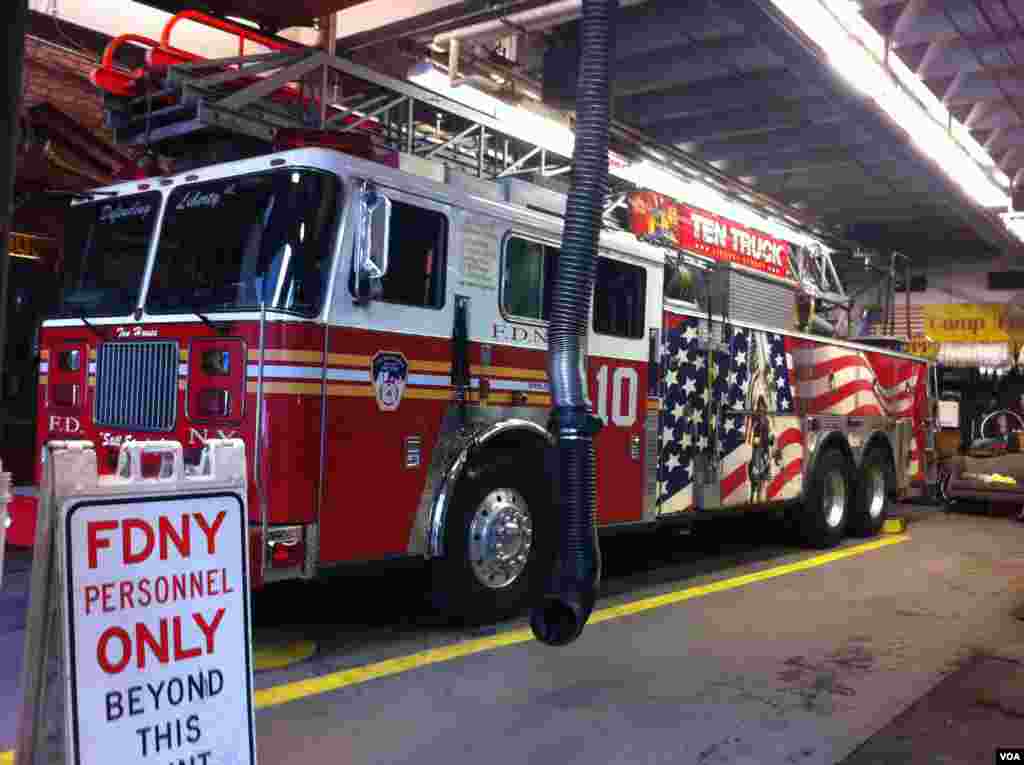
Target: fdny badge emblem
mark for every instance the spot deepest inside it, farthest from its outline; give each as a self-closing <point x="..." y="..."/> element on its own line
<point x="390" y="372"/>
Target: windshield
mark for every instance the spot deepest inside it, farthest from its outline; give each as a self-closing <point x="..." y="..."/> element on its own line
<point x="105" y="249"/>
<point x="228" y="244"/>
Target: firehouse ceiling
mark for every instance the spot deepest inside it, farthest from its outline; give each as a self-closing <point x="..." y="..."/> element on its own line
<point x="270" y="14"/>
<point x="734" y="82"/>
<point x="738" y="86"/>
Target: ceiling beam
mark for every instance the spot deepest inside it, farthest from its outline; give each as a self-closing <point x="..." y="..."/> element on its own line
<point x="786" y="140"/>
<point x="775" y="164"/>
<point x="876" y="4"/>
<point x="657" y="25"/>
<point x="881" y="212"/>
<point x="687" y="63"/>
<point x="774" y="115"/>
<point x="749" y="90"/>
<point x="1003" y="138"/>
<point x="989" y="115"/>
<point x="985" y="85"/>
<point x="919" y="21"/>
<point x="803" y="182"/>
<point x="924" y="21"/>
<point x="1013" y="159"/>
<point x="952" y="55"/>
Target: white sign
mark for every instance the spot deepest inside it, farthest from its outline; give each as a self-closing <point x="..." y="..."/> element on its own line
<point x="159" y="660"/>
<point x="949" y="414"/>
<point x="480" y="255"/>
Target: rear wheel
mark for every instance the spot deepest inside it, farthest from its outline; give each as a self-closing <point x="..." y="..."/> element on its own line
<point x="871" y="501"/>
<point x="825" y="512"/>
<point x="498" y="542"/>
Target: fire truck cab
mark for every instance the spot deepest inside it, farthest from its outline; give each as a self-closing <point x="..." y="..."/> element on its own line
<point x="377" y="337"/>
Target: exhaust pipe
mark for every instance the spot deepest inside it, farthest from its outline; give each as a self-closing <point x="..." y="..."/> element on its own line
<point x="566" y="605"/>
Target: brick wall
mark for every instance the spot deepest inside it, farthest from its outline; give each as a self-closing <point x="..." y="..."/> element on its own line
<point x="62" y="78"/>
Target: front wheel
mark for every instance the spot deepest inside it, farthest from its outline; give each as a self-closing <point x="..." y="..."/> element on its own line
<point x="874" y="487"/>
<point x="498" y="542"/>
<point x="824" y="515"/>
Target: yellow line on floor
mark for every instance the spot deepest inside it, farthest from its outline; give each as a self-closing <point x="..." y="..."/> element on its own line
<point x="280" y="655"/>
<point x="282" y="694"/>
<point x="7" y="758"/>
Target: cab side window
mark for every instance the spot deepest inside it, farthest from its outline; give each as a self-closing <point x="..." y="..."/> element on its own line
<point x="417" y="257"/>
<point x="619" y="299"/>
<point x="528" y="279"/>
<point x="684" y="283"/>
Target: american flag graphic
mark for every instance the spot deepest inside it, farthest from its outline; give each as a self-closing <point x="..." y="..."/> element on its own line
<point x="756" y="368"/>
<point x="836" y="380"/>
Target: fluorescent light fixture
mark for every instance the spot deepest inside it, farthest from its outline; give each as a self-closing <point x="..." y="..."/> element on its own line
<point x="857" y="52"/>
<point x="538" y="130"/>
<point x="558" y="138"/>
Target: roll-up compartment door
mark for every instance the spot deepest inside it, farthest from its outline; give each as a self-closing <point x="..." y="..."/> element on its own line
<point x="761" y="301"/>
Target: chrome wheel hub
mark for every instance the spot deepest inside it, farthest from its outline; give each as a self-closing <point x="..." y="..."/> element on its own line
<point x="875" y="480"/>
<point x="834" y="498"/>
<point x="500" y="538"/>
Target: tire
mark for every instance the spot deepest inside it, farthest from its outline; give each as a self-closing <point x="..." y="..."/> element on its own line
<point x="826" y="509"/>
<point x="871" y="501"/>
<point x="479" y="590"/>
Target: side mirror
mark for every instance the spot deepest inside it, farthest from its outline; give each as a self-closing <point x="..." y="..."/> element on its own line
<point x="371" y="251"/>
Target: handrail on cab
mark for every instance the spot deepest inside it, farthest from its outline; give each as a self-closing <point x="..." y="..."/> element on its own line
<point x="115" y="81"/>
<point x="243" y="32"/>
<point x="107" y="61"/>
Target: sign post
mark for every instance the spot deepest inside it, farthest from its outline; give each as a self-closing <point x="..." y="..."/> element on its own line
<point x="149" y="579"/>
<point x="5" y="519"/>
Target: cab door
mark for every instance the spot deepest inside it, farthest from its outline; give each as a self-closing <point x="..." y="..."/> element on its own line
<point x="387" y="383"/>
<point x="617" y="376"/>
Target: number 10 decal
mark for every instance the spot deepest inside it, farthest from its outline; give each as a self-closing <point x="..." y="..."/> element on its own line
<point x="623" y="413"/>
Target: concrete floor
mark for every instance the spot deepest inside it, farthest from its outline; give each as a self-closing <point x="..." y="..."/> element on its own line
<point x="804" y="668"/>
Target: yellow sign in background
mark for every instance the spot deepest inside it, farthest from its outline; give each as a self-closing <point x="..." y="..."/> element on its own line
<point x="971" y="323"/>
<point x="921" y="346"/>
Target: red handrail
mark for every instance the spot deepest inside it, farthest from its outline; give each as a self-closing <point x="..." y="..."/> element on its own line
<point x="163" y="54"/>
<point x="107" y="62"/>
<point x="243" y="32"/>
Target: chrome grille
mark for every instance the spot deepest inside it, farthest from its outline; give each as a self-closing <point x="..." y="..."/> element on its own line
<point x="137" y="385"/>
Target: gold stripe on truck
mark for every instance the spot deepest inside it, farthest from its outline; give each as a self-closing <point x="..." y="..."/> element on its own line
<point x="313" y="389"/>
<point x="305" y="357"/>
<point x="348" y="359"/>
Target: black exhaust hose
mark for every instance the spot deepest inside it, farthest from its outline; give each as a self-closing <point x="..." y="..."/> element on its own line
<point x="568" y="600"/>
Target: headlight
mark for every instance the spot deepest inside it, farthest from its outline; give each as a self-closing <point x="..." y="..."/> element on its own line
<point x="216" y="362"/>
<point x="214" y="402"/>
<point x="70" y="361"/>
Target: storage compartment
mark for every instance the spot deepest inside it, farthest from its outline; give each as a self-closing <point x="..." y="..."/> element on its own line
<point x="760" y="301"/>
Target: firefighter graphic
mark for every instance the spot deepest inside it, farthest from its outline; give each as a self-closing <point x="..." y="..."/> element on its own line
<point x="662" y="221"/>
<point x="760" y="402"/>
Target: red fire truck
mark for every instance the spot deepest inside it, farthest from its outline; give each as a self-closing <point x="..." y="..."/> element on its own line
<point x="377" y="338"/>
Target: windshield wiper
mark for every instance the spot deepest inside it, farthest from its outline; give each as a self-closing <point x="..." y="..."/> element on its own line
<point x="92" y="328"/>
<point x="220" y="329"/>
